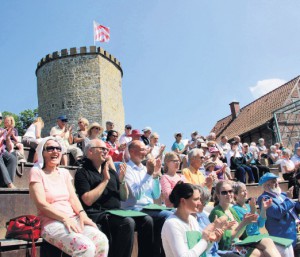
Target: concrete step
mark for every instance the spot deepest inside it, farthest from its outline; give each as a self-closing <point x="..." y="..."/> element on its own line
<point x="22" y="181"/>
<point x="254" y="190"/>
<point x="14" y="247"/>
<point x="14" y="203"/>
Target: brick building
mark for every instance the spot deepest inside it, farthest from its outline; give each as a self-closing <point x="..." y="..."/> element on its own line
<point x="274" y="116"/>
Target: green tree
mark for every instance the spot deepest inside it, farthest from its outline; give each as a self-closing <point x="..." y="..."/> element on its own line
<point x="27" y="117"/>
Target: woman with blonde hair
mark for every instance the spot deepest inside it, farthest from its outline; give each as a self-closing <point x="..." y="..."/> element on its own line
<point x="32" y="136"/>
<point x="94" y="131"/>
<point x="170" y="177"/>
<point x="12" y="138"/>
<point x="81" y="133"/>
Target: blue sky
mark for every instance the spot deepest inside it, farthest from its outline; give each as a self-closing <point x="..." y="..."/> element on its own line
<point x="183" y="61"/>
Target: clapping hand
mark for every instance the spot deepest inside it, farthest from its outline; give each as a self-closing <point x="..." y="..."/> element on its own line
<point x="122" y="171"/>
<point x="250" y="218"/>
<point x="266" y="203"/>
<point x="106" y="175"/>
<point x="289" y="193"/>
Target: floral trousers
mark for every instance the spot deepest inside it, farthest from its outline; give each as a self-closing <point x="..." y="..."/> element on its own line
<point x="90" y="243"/>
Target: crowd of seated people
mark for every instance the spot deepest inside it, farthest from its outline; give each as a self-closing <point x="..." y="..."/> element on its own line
<point x="133" y="172"/>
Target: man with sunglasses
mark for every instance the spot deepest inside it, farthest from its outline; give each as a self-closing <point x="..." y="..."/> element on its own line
<point x="282" y="216"/>
<point x="64" y="133"/>
<point x="101" y="189"/>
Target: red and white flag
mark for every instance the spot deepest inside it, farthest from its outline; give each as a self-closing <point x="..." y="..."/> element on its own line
<point x="101" y="33"/>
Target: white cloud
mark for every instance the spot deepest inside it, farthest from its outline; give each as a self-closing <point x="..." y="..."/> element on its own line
<point x="265" y="86"/>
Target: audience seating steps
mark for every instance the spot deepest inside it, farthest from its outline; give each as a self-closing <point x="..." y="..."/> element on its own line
<point x="14" y="247"/>
<point x="22" y="181"/>
<point x="16" y="202"/>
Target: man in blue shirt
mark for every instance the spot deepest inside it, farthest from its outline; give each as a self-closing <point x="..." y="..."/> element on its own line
<point x="282" y="216"/>
<point x="144" y="186"/>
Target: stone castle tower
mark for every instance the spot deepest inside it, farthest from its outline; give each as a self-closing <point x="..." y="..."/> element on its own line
<point x="80" y="83"/>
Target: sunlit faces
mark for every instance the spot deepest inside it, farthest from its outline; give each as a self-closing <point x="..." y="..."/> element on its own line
<point x="273" y="186"/>
<point x="226" y="194"/>
<point x="139" y="151"/>
<point x="8" y="122"/>
<point x="98" y="151"/>
<point x="173" y="165"/>
<point x="52" y="153"/>
<point x="197" y="160"/>
<point x="242" y="194"/>
<point x="193" y="203"/>
<point x="61" y="123"/>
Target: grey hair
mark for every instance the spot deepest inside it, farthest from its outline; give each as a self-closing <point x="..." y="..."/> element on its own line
<point x="194" y="152"/>
<point x="88" y="146"/>
<point x="237" y="186"/>
<point x="273" y="147"/>
<point x="286" y="152"/>
<point x="204" y="193"/>
<point x="261" y="140"/>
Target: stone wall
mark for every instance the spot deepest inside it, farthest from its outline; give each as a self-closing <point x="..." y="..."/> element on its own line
<point x="80" y="84"/>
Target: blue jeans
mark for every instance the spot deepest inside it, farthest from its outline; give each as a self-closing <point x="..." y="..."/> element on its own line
<point x="241" y="174"/>
<point x="8" y="166"/>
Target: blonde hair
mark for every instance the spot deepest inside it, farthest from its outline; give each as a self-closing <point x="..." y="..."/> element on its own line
<point x="154" y="134"/>
<point x="168" y="157"/>
<point x="12" y="120"/>
<point x="84" y="120"/>
<point x="40" y="120"/>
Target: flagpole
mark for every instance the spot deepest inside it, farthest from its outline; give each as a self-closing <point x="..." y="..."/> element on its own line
<point x="94" y="32"/>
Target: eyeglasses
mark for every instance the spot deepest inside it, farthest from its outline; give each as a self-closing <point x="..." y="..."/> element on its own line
<point x="103" y="149"/>
<point x="50" y="149"/>
<point x="128" y="128"/>
<point x="226" y="192"/>
<point x="156" y="138"/>
<point x="64" y="121"/>
<point x="79" y="122"/>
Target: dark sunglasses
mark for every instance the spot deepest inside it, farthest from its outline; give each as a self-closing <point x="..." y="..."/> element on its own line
<point x="50" y="149"/>
<point x="226" y="192"/>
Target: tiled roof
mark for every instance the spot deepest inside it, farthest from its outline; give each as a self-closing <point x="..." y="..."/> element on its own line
<point x="256" y="113"/>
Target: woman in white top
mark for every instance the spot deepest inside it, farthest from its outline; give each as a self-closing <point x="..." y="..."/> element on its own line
<point x="177" y="228"/>
<point x="32" y="136"/>
<point x="288" y="170"/>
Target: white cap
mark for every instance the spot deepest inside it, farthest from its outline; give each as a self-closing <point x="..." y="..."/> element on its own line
<point x="147" y="129"/>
